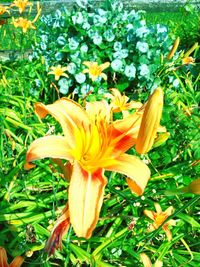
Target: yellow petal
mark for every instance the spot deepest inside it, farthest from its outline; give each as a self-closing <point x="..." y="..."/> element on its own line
<point x="104" y="66"/>
<point x="69" y="114"/>
<point x="88" y="63"/>
<point x="145" y="260"/>
<point x="169" y="211"/>
<point x="137" y="172"/>
<point x="49" y="147"/>
<point x="158" y="263"/>
<point x="161" y="139"/>
<point x="98" y="110"/>
<point x="104" y="76"/>
<point x="85" y="199"/>
<point x="157" y="207"/>
<point x="150" y="122"/>
<point x="150" y="214"/>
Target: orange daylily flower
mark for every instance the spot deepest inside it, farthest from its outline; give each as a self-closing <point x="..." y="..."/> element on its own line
<point x="21" y="5"/>
<point x="17" y="262"/>
<point x="119" y="102"/>
<point x="188" y="60"/>
<point x="96" y="70"/>
<point x="3" y="9"/>
<point x="147" y="262"/>
<point x="92" y="144"/>
<point x="58" y="71"/>
<point x="150" y="122"/>
<point x="24" y="24"/>
<point x="159" y="217"/>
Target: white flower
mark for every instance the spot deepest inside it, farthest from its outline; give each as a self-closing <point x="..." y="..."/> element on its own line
<point x="73" y="44"/>
<point x="80" y="77"/>
<point x="121" y="54"/>
<point x="58" y="56"/>
<point x="43" y="46"/>
<point x="144" y="70"/>
<point x="82" y="3"/>
<point x="142" y="32"/>
<point x="161" y="29"/>
<point x="72" y="68"/>
<point x="44" y="38"/>
<point x="97" y="39"/>
<point x="61" y="40"/>
<point x="109" y="35"/>
<point x="101" y="12"/>
<point x="117" y="46"/>
<point x="85" y="88"/>
<point x="84" y="48"/>
<point x="78" y="18"/>
<point x="142" y="47"/>
<point x="117" y="65"/>
<point x="176" y="83"/>
<point x="86" y="26"/>
<point x="130" y="71"/>
<point x="64" y="86"/>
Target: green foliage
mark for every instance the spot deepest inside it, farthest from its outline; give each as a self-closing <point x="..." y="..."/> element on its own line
<point x="107" y="33"/>
<point x="31" y="201"/>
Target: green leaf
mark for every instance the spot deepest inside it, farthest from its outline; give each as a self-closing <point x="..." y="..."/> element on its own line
<point x="188" y="219"/>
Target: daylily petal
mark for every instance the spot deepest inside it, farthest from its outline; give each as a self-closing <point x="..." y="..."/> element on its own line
<point x="104" y="65"/>
<point x="157" y="207"/>
<point x="49" y="147"/>
<point x="98" y="110"/>
<point x="150" y="122"/>
<point x="59" y="230"/>
<point x="85" y="199"/>
<point x="169" y="211"/>
<point x="3" y="257"/>
<point x="85" y="71"/>
<point x="104" y="76"/>
<point x="17" y="262"/>
<point x="150" y="214"/>
<point x="124" y="132"/>
<point x="68" y="113"/>
<point x="145" y="260"/>
<point x="135" y="169"/>
<point x="167" y="232"/>
<point x="88" y="63"/>
<point x="158" y="263"/>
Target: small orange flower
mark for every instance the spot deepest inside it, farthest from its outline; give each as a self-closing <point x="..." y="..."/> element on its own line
<point x="17" y="262"/>
<point x="3" y="9"/>
<point x="21" y="5"/>
<point x="58" y="71"/>
<point x="159" y="218"/>
<point x="96" y="70"/>
<point x="119" y="102"/>
<point x="24" y="24"/>
<point x="188" y="60"/>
